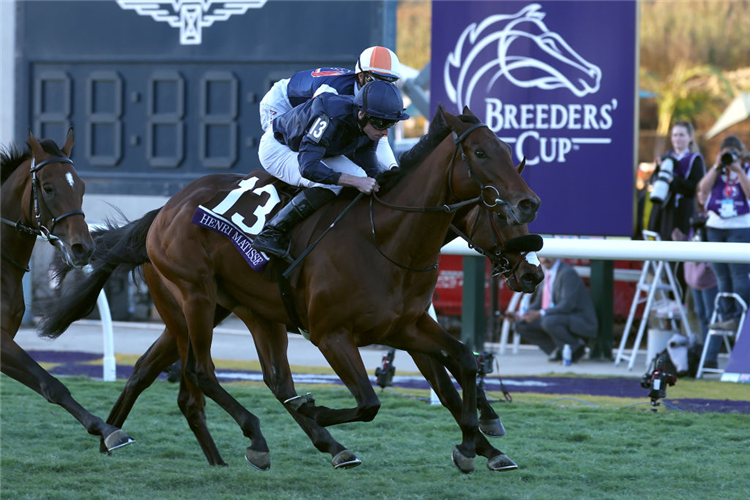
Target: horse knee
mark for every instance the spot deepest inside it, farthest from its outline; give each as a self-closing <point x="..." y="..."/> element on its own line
<point x="368" y="411"/>
<point x="189" y="404"/>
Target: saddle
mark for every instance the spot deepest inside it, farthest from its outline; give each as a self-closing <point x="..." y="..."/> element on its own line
<point x="240" y="211"/>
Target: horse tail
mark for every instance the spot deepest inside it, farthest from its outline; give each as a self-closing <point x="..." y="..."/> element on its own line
<point x="117" y="249"/>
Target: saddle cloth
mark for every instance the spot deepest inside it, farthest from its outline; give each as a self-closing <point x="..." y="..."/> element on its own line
<point x="240" y="211"/>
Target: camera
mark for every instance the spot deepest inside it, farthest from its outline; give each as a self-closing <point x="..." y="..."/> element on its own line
<point x="484" y="363"/>
<point x="660" y="192"/>
<point x="385" y="372"/>
<point x="657" y="378"/>
<point x="727" y="159"/>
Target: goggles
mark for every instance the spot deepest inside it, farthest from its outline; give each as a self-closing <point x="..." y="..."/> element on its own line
<point x="372" y="76"/>
<point x="381" y="124"/>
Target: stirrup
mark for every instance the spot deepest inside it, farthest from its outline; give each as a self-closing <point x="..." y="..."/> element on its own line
<point x="262" y="244"/>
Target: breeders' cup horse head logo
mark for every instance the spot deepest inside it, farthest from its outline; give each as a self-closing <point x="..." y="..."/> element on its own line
<point x="191" y="16"/>
<point x="528" y="55"/>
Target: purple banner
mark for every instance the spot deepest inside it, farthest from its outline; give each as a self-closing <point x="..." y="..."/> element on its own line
<point x="557" y="82"/>
<point x="206" y="218"/>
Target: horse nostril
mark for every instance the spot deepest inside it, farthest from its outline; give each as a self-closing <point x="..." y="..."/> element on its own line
<point x="529" y="205"/>
<point x="81" y="253"/>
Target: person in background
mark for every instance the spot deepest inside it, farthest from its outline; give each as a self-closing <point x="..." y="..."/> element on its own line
<point x="561" y="312"/>
<point x="374" y="63"/>
<point x="673" y="208"/>
<point x="726" y="189"/>
<point x="701" y="279"/>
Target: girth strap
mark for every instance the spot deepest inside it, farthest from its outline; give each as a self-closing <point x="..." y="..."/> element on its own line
<point x="287" y="295"/>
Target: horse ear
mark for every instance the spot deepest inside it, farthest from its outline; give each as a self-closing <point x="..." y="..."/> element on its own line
<point x="521" y="166"/>
<point x="69" y="141"/>
<point x="36" y="148"/>
<point x="467" y="111"/>
<point x="439" y="117"/>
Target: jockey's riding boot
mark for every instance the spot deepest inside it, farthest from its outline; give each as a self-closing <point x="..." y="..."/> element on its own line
<point x="274" y="238"/>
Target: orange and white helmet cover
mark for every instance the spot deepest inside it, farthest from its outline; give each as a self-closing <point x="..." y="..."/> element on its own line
<point x="380" y="61"/>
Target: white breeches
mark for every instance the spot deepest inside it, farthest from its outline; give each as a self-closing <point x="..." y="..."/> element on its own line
<point x="276" y="102"/>
<point x="283" y="163"/>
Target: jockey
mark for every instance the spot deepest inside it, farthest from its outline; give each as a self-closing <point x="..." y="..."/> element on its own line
<point x="325" y="144"/>
<point x="375" y="63"/>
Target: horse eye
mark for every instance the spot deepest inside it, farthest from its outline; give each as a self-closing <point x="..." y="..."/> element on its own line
<point x="48" y="188"/>
<point x="480" y="154"/>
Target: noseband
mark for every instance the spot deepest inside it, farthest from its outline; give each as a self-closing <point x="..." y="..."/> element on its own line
<point x="501" y="264"/>
<point x="458" y="141"/>
<point x="42" y="231"/>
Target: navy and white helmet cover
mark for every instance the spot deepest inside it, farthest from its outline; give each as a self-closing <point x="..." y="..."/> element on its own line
<point x="381" y="100"/>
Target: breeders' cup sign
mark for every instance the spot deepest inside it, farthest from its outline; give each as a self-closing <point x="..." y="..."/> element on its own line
<point x="557" y="82"/>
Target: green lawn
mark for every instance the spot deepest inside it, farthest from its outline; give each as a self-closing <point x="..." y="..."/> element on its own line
<point x="564" y="450"/>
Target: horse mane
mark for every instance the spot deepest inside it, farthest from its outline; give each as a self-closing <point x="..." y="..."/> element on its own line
<point x="410" y="159"/>
<point x="12" y="157"/>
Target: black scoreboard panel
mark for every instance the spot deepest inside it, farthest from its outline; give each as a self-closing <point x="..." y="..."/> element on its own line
<point x="151" y="121"/>
<point x="151" y="114"/>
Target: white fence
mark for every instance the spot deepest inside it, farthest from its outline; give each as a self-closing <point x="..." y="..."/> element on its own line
<point x="563" y="248"/>
<point x="616" y="249"/>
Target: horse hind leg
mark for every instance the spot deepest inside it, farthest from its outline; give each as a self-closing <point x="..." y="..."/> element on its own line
<point x="162" y="354"/>
<point x="271" y="344"/>
<point x="17" y="364"/>
<point x="198" y="368"/>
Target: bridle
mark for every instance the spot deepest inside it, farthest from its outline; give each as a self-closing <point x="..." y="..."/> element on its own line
<point x="448" y="208"/>
<point x="34" y="208"/>
<point x="501" y="264"/>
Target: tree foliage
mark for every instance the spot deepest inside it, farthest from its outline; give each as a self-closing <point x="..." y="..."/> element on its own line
<point x="413" y="32"/>
<point x="712" y="33"/>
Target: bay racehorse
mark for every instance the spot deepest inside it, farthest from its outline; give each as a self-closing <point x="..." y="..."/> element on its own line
<point x="42" y="197"/>
<point x="510" y="249"/>
<point x="375" y="292"/>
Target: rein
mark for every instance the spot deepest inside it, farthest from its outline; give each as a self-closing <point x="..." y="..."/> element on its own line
<point x="42" y="232"/>
<point x="458" y="141"/>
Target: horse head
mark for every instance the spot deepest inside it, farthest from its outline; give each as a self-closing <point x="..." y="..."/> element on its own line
<point x="482" y="166"/>
<point x="510" y="248"/>
<point x="56" y="199"/>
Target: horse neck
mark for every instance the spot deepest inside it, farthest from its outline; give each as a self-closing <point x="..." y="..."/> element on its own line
<point x="426" y="186"/>
<point x="16" y="193"/>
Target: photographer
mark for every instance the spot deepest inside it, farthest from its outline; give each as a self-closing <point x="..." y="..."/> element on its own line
<point x="675" y="183"/>
<point x="701" y="279"/>
<point x="726" y="188"/>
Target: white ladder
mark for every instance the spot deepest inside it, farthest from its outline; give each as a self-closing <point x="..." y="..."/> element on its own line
<point x="650" y="289"/>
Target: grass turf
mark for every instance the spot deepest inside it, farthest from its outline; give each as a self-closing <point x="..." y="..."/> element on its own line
<point x="564" y="450"/>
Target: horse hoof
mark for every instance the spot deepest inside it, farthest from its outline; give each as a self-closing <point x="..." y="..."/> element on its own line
<point x="261" y="460"/>
<point x="117" y="439"/>
<point x="501" y="463"/>
<point x="462" y="462"/>
<point x="492" y="428"/>
<point x="345" y="460"/>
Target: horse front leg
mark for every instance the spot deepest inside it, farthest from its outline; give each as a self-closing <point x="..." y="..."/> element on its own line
<point x="343" y="355"/>
<point x="271" y="344"/>
<point x="17" y="364"/>
<point x="443" y="386"/>
<point x="426" y="336"/>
